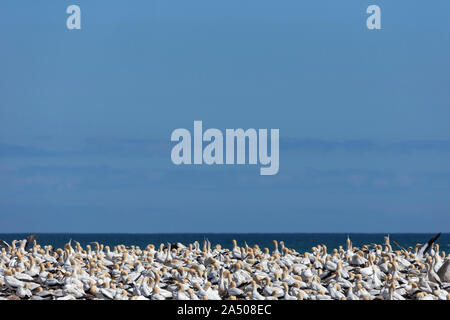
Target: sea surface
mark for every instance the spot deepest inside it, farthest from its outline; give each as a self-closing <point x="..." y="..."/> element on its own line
<point x="299" y="241"/>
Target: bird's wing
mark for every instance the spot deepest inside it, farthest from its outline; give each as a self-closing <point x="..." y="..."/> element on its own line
<point x="399" y="246"/>
<point x="5" y="244"/>
<point x="30" y="239"/>
<point x="325" y="275"/>
<point x="428" y="245"/>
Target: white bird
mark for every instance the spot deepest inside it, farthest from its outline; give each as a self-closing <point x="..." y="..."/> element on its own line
<point x="24" y="291"/>
<point x="190" y="273"/>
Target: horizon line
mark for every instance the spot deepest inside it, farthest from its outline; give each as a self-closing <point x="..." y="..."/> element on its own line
<point x="237" y="233"/>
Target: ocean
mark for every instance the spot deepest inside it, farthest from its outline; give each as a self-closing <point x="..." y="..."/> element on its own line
<point x="299" y="241"/>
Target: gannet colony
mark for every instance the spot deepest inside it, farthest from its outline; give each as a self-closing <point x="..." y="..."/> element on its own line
<point x="193" y="272"/>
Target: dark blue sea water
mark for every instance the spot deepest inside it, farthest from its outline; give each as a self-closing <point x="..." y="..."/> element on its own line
<point x="299" y="241"/>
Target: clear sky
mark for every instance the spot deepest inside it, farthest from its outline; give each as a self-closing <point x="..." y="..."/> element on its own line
<point x="86" y="115"/>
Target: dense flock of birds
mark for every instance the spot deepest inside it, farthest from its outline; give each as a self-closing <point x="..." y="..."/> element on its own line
<point x="175" y="271"/>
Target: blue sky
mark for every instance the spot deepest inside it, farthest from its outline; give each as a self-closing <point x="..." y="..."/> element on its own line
<point x="86" y="115"/>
